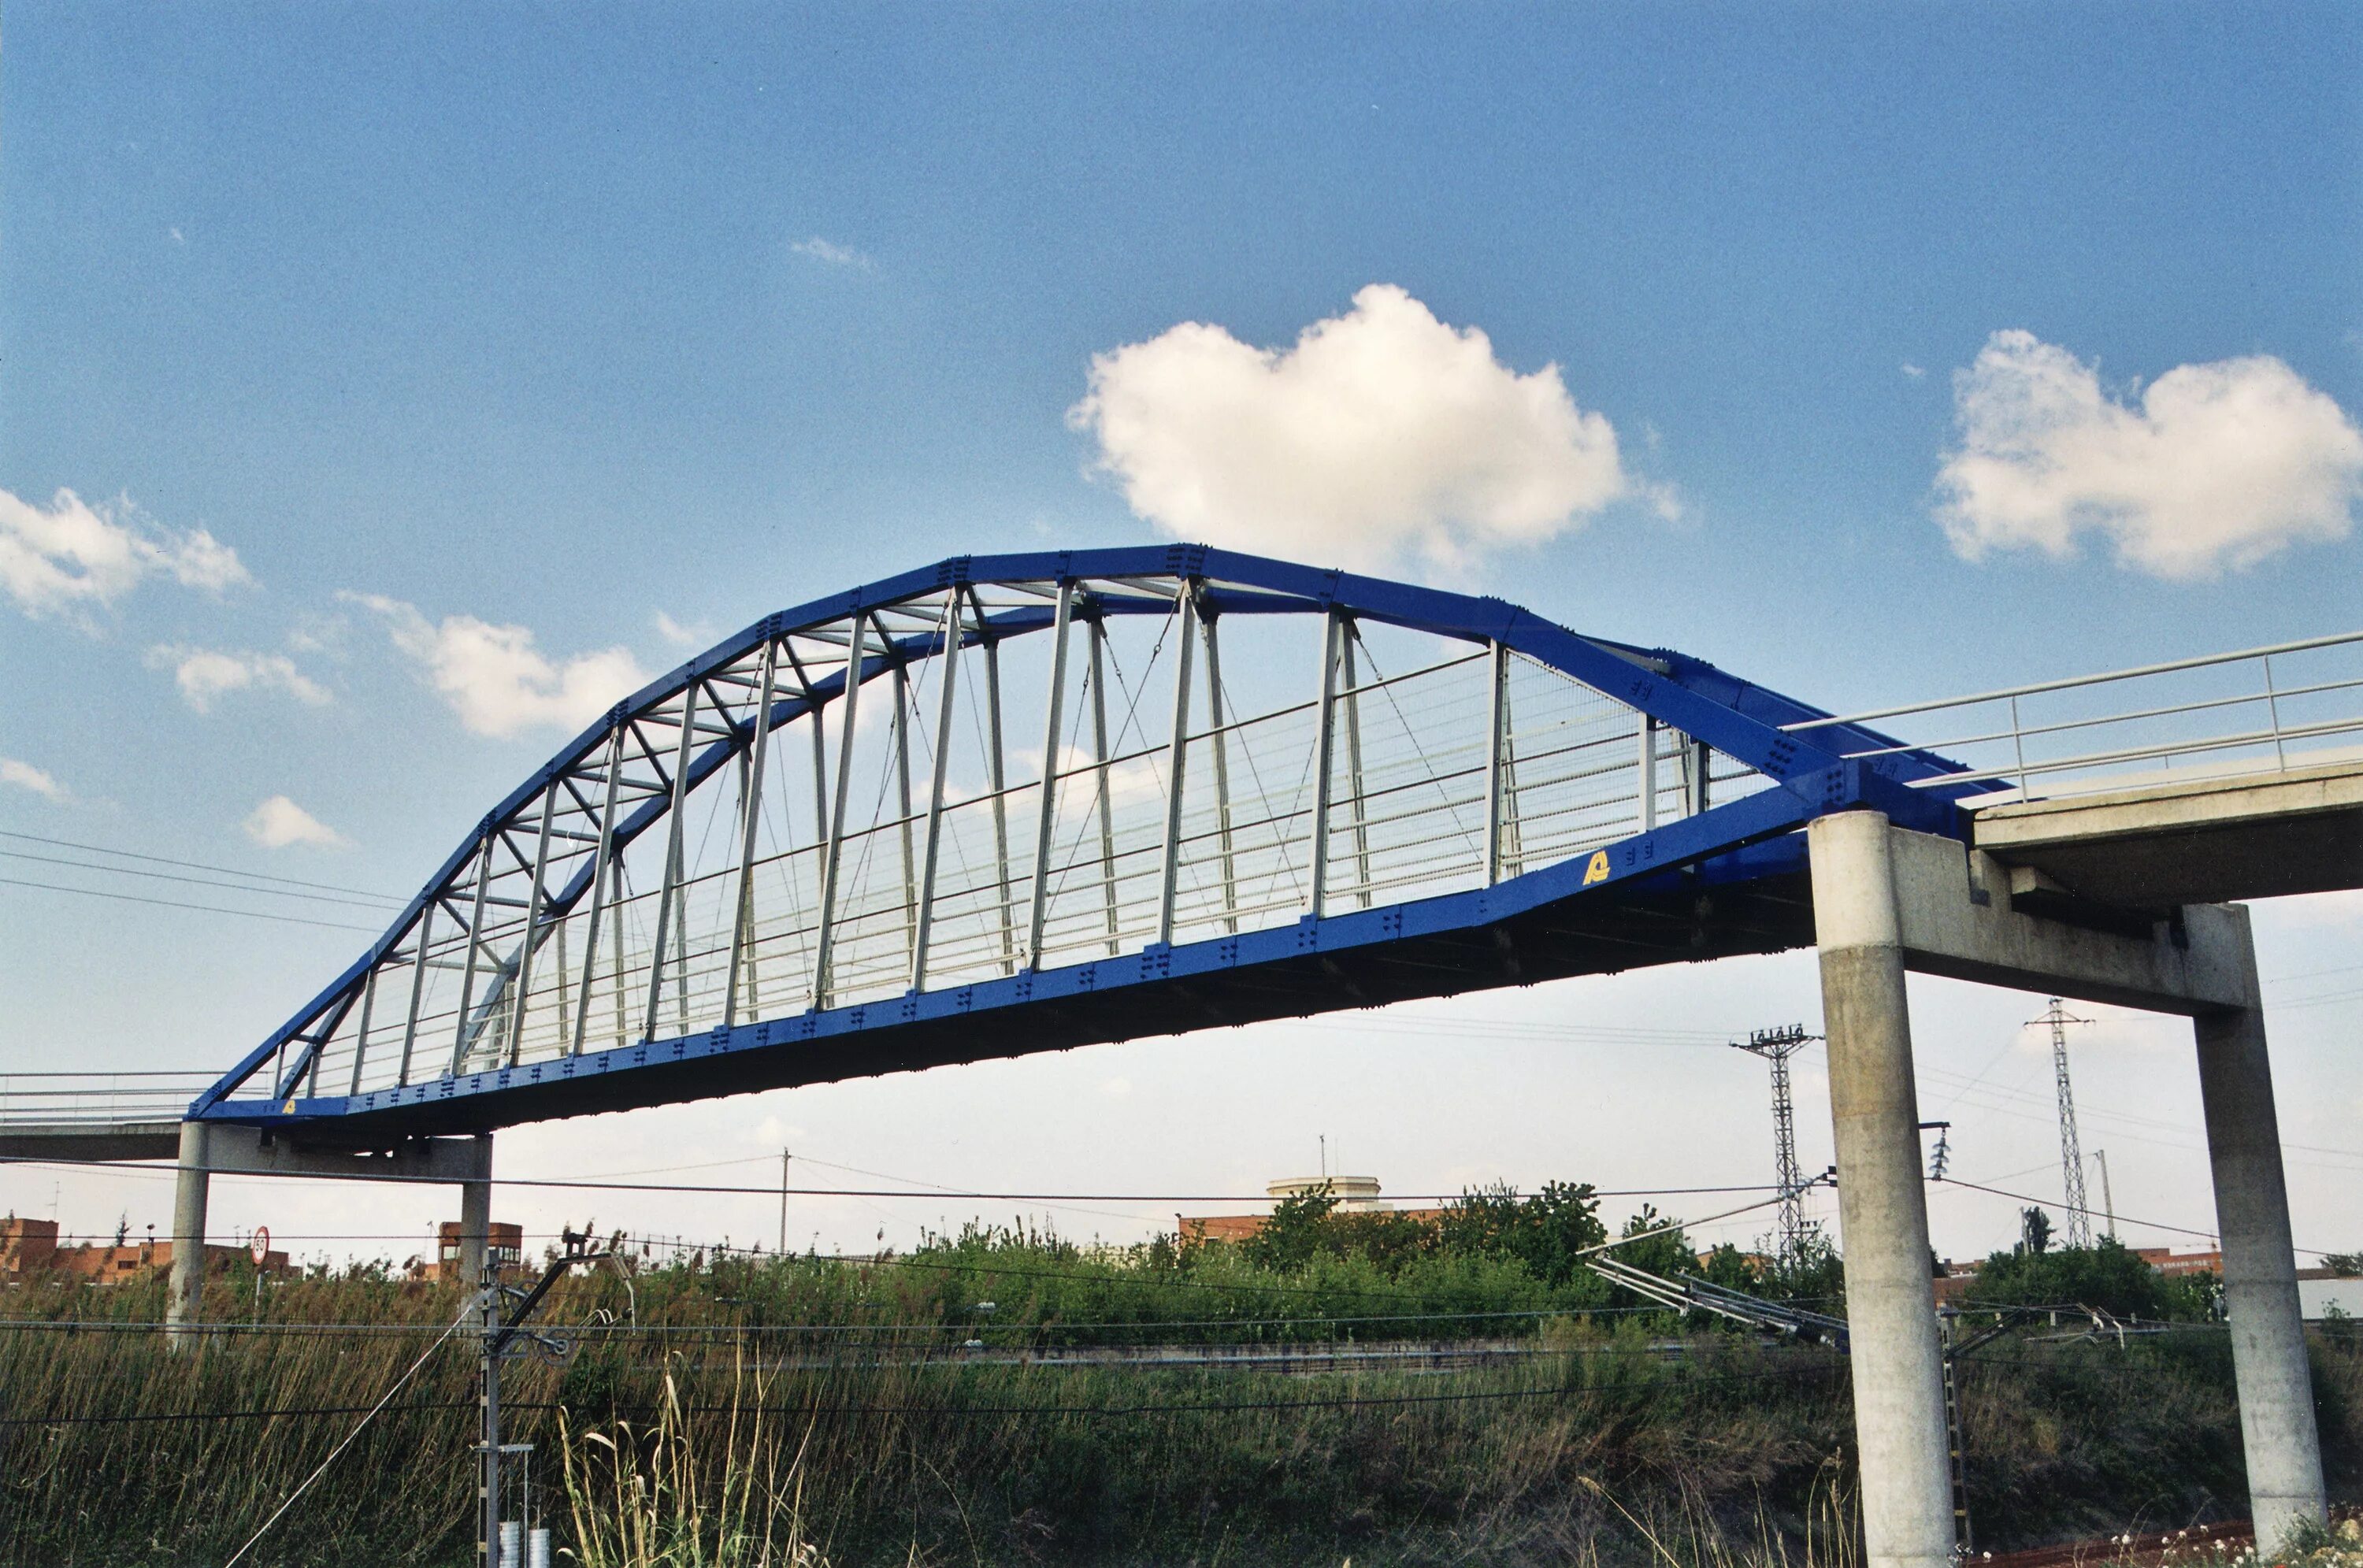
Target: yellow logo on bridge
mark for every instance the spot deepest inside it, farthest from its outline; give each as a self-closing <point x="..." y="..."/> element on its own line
<point x="1598" y="870"/>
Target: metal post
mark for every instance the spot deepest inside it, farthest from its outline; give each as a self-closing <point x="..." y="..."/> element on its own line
<point x="2071" y="1156"/>
<point x="185" y="1291"/>
<point x="488" y="1450"/>
<point x="417" y="984"/>
<point x="1497" y="713"/>
<point x="997" y="780"/>
<point x="2273" y="710"/>
<point x="1214" y="721"/>
<point x="476" y="1213"/>
<point x="671" y="882"/>
<point x="901" y="731"/>
<point x="947" y="688"/>
<point x="2108" y="1199"/>
<point x="1177" y="772"/>
<point x="602" y="874"/>
<point x="750" y="807"/>
<point x="1698" y="756"/>
<point x="1100" y="757"/>
<point x="524" y="974"/>
<point x="1324" y="745"/>
<point x="833" y="852"/>
<point x="1347" y="634"/>
<point x="360" y="1035"/>
<point x="475" y="941"/>
<point x="1046" y="821"/>
<point x="1648" y="773"/>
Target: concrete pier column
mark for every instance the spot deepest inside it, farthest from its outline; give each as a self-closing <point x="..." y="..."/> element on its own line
<point x="476" y="1214"/>
<point x="184" y="1289"/>
<point x="2243" y="1147"/>
<point x="1899" y="1388"/>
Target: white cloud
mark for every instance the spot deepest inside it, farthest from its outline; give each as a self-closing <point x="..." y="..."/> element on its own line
<point x="1381" y="432"/>
<point x="205" y="674"/>
<point x="495" y="678"/>
<point x="697" y="635"/>
<point x="58" y="558"/>
<point x="1913" y="371"/>
<point x="820" y="249"/>
<point x="25" y="776"/>
<point x="1116" y="1087"/>
<point x="280" y="822"/>
<point x="2217" y="465"/>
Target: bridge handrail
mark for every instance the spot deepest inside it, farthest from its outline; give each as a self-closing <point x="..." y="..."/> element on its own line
<point x="66" y="1098"/>
<point x="2272" y="737"/>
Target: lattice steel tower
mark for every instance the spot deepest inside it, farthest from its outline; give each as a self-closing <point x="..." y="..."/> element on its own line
<point x="1776" y="1046"/>
<point x="2072" y="1157"/>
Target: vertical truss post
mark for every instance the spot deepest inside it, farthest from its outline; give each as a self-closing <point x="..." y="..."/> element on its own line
<point x="475" y="939"/>
<point x="819" y="772"/>
<point x="523" y="977"/>
<point x="417" y="985"/>
<point x="997" y="780"/>
<point x="671" y="883"/>
<point x="602" y="874"/>
<point x="1349" y="633"/>
<point x="901" y="731"/>
<point x="1324" y="744"/>
<point x="947" y="687"/>
<point x="1177" y="772"/>
<point x="368" y="1006"/>
<point x="1497" y="724"/>
<point x="1776" y="1046"/>
<point x="750" y="813"/>
<point x="1648" y="773"/>
<point x="1694" y="761"/>
<point x="2072" y="1157"/>
<point x="1047" y="821"/>
<point x="833" y="851"/>
<point x="1215" y="723"/>
<point x="1100" y="767"/>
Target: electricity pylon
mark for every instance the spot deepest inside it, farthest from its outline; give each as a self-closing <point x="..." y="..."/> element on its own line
<point x="2071" y="1159"/>
<point x="1776" y="1046"/>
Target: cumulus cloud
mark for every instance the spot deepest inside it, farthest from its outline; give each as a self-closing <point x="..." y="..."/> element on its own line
<point x="25" y="776"/>
<point x="1381" y="432"/>
<point x="205" y="674"/>
<point x="2209" y="466"/>
<point x="58" y="558"/>
<point x="820" y="249"/>
<point x="495" y="678"/>
<point x="280" y="822"/>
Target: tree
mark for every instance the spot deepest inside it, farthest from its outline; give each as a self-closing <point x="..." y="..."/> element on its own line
<point x="2347" y="1265"/>
<point x="2034" y="1230"/>
<point x="1548" y="1232"/>
<point x="2109" y="1276"/>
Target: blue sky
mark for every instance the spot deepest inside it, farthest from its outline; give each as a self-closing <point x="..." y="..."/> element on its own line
<point x="563" y="318"/>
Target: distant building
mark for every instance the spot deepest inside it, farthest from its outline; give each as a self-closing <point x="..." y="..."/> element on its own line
<point x="29" y="1248"/>
<point x="504" y="1242"/>
<point x="1355" y="1195"/>
<point x="2169" y="1262"/>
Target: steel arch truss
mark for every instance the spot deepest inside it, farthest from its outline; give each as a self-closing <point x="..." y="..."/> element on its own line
<point x="1243" y="789"/>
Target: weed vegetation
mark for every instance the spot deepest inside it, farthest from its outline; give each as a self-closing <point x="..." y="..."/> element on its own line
<point x="1336" y="1387"/>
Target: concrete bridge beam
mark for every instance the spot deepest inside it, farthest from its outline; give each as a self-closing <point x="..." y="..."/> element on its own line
<point x="1885" y="900"/>
<point x="2278" y="1428"/>
<point x="208" y="1148"/>
<point x="1898" y="1367"/>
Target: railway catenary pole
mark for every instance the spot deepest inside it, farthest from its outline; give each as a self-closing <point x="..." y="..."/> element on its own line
<point x="1776" y="1046"/>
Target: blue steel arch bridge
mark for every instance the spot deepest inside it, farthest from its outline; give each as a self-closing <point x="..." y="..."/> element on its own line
<point x="1007" y="804"/>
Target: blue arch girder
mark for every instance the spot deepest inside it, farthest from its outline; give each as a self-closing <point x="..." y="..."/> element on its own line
<point x="1729" y="879"/>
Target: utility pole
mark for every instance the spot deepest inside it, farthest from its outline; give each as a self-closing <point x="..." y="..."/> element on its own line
<point x="2108" y="1199"/>
<point x="1776" y="1046"/>
<point x="2071" y="1160"/>
<point x="504" y="1334"/>
<point x="783" y="1203"/>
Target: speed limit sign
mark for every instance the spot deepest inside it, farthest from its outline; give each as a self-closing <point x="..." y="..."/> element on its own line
<point x="259" y="1245"/>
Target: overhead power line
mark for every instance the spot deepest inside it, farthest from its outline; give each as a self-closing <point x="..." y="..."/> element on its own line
<point x="200" y="865"/>
<point x="177" y="904"/>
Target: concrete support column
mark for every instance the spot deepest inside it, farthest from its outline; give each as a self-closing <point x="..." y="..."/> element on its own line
<point x="1898" y="1391"/>
<point x="2243" y="1147"/>
<point x="476" y="1215"/>
<point x="184" y="1290"/>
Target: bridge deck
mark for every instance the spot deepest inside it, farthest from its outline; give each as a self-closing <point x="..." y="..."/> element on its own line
<point x="2191" y="840"/>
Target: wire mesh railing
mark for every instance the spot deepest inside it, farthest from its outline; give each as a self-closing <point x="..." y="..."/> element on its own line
<point x="2258" y="711"/>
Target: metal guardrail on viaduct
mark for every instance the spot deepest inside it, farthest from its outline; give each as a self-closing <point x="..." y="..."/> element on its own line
<point x="1022" y="803"/>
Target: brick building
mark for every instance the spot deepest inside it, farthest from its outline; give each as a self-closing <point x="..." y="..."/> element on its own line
<point x="29" y="1248"/>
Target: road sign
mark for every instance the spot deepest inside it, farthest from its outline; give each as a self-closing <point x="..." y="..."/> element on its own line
<point x="259" y="1245"/>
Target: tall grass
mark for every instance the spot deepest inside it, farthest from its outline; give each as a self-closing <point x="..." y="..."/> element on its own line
<point x="703" y="1416"/>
